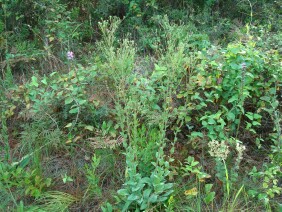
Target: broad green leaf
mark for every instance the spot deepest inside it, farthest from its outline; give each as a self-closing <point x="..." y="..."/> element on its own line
<point x="209" y="197"/>
<point x="250" y="116"/>
<point x="211" y="121"/>
<point x="132" y="197"/>
<point x="54" y="87"/>
<point x="81" y="101"/>
<point x="147" y="193"/>
<point x="230" y="116"/>
<point x="257" y="116"/>
<point x="265" y="98"/>
<point x="232" y="99"/>
<point x="68" y="100"/>
<point x="74" y="110"/>
<point x="153" y="198"/>
<point x="138" y="188"/>
<point x="208" y="187"/>
<point x="144" y="205"/>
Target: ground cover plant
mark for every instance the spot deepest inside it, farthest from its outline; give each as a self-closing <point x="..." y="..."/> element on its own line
<point x="140" y="105"/>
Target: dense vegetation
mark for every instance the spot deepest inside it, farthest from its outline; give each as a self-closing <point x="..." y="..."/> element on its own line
<point x="140" y="105"/>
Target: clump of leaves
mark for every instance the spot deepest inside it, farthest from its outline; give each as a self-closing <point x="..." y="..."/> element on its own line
<point x="18" y="178"/>
<point x="140" y="192"/>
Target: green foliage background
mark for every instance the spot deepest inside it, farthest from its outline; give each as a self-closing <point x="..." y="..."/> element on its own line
<point x="140" y="105"/>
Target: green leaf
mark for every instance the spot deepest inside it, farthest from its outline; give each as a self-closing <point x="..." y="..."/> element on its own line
<point x="132" y="197"/>
<point x="252" y="193"/>
<point x="68" y="125"/>
<point x="147" y="193"/>
<point x="145" y="180"/>
<point x="59" y="94"/>
<point x="144" y="205"/>
<point x="126" y="205"/>
<point x="68" y="100"/>
<point x="265" y="98"/>
<point x="25" y="161"/>
<point x="138" y="187"/>
<point x="257" y="116"/>
<point x="156" y="107"/>
<point x="81" y="101"/>
<point x="44" y="81"/>
<point x="194" y="163"/>
<point x="123" y="192"/>
<point x="54" y="87"/>
<point x="230" y="116"/>
<point x="153" y="198"/>
<point x="208" y="187"/>
<point x="89" y="127"/>
<point x="250" y="116"/>
<point x="197" y="134"/>
<point x="255" y="123"/>
<point x="211" y="121"/>
<point x="209" y="197"/>
<point x="232" y="99"/>
<point x="34" y="81"/>
<point x="74" y="110"/>
<point x="52" y="74"/>
<point x="249" y="125"/>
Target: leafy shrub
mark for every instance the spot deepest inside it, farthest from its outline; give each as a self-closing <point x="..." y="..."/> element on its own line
<point x="140" y="192"/>
<point x="92" y="177"/>
<point x="270" y="183"/>
<point x="58" y="92"/>
<point x="13" y="177"/>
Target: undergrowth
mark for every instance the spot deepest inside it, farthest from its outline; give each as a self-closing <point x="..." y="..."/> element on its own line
<point x="178" y="112"/>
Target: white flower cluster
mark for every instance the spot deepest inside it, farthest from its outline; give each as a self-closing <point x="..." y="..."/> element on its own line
<point x="218" y="149"/>
<point x="240" y="150"/>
